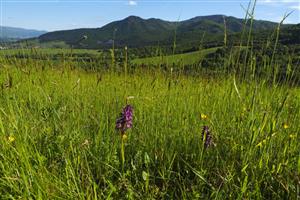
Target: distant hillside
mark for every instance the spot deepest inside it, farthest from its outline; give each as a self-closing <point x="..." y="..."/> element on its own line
<point x="290" y="35"/>
<point x="136" y="32"/>
<point x="18" y="33"/>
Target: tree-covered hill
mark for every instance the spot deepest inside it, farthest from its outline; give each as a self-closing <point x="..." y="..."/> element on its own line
<point x="137" y="32"/>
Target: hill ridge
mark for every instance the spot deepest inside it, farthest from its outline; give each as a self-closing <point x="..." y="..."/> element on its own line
<point x="135" y="31"/>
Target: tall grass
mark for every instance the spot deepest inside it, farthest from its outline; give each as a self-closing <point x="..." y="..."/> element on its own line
<point x="58" y="137"/>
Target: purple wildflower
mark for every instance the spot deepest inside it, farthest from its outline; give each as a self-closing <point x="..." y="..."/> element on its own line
<point x="207" y="137"/>
<point x="124" y="122"/>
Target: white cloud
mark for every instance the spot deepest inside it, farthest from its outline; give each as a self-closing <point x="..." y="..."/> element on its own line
<point x="295" y="7"/>
<point x="132" y="3"/>
<point x="278" y="1"/>
<point x="290" y="1"/>
<point x="290" y="22"/>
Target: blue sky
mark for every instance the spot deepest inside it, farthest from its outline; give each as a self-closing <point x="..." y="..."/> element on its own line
<point x="69" y="14"/>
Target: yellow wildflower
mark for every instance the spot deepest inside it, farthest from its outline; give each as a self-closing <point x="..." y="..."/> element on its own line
<point x="203" y="116"/>
<point x="285" y="126"/>
<point x="292" y="136"/>
<point x="11" y="139"/>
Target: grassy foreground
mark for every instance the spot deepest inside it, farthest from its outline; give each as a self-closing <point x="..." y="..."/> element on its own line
<point x="58" y="137"/>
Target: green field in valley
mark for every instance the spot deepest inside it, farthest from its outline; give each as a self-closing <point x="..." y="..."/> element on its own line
<point x="185" y="58"/>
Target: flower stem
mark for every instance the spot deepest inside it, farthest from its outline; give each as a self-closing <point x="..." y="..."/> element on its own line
<point x="122" y="153"/>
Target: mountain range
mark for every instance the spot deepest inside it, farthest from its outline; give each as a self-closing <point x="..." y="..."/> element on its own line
<point x="9" y="33"/>
<point x="134" y="31"/>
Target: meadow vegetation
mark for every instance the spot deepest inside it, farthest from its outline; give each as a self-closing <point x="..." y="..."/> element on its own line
<point x="58" y="135"/>
<point x="199" y="130"/>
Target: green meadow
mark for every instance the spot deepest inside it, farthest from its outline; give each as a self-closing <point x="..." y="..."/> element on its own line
<point x="58" y="136"/>
<point x="216" y="122"/>
<point x="178" y="59"/>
